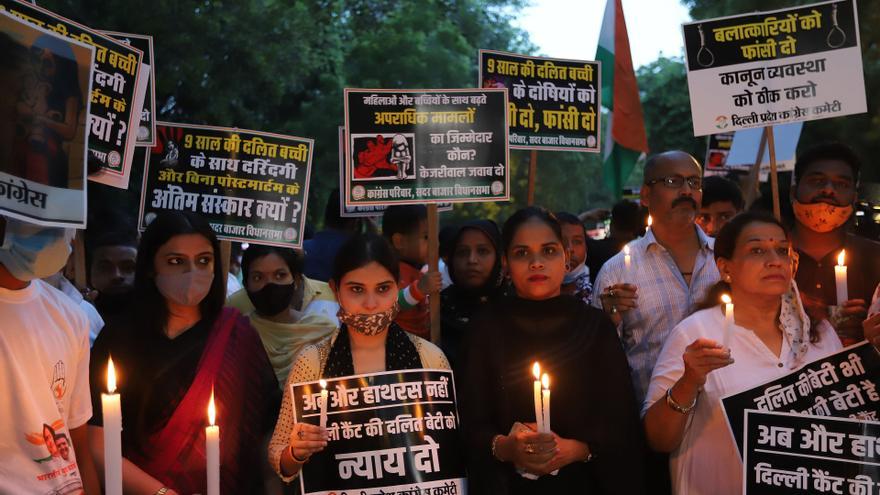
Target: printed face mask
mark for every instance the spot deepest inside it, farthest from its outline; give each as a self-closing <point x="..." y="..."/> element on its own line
<point x="821" y="217"/>
<point x="368" y="324"/>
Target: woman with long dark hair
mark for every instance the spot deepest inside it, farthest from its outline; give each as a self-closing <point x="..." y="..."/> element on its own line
<point x="771" y="335"/>
<point x="173" y="350"/>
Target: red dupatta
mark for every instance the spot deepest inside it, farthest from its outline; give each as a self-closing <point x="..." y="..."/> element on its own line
<point x="230" y="364"/>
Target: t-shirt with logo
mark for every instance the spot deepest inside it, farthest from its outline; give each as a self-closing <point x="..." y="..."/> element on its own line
<point x="44" y="373"/>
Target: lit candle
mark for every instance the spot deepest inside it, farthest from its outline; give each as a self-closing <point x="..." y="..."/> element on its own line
<point x="212" y="449"/>
<point x="840" y="278"/>
<point x="650" y="221"/>
<point x="539" y="419"/>
<point x="545" y="396"/>
<point x="627" y="259"/>
<point x="728" y="318"/>
<point x="323" y="403"/>
<point x="110" y="405"/>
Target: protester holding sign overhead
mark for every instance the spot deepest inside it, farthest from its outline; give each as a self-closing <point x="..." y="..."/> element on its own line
<point x="706" y="357"/>
<point x="593" y="440"/>
<point x="365" y="276"/>
<point x="826" y="179"/>
<point x="173" y="350"/>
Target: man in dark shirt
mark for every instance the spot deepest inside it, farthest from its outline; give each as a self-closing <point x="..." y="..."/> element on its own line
<point x="823" y="197"/>
<point x="627" y="223"/>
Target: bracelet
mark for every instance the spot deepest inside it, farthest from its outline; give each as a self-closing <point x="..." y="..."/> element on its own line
<point x="495" y="446"/>
<point x="676" y="406"/>
<point x="161" y="491"/>
<point x="295" y="458"/>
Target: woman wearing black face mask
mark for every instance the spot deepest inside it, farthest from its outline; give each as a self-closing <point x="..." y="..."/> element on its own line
<point x="176" y="346"/>
<point x="275" y="285"/>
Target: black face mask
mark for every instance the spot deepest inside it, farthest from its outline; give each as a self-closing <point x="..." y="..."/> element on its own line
<point x="272" y="298"/>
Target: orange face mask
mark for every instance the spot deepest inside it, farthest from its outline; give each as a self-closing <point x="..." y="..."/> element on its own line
<point x="821" y="217"/>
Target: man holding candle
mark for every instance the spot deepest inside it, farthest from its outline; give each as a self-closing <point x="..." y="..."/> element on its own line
<point x="44" y="359"/>
<point x="823" y="196"/>
<point x="671" y="269"/>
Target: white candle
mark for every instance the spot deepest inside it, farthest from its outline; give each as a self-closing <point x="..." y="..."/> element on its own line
<point x="650" y="221"/>
<point x="111" y="407"/>
<point x="627" y="259"/>
<point x="212" y="449"/>
<point x="728" y="318"/>
<point x="840" y="278"/>
<point x="539" y="419"/>
<point x="323" y="403"/>
<point x="545" y="396"/>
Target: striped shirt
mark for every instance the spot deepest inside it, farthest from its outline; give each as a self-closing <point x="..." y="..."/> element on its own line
<point x="664" y="298"/>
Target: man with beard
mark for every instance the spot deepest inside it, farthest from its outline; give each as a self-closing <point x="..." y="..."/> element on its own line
<point x="112" y="256"/>
<point x="823" y="196"/>
<point x="671" y="268"/>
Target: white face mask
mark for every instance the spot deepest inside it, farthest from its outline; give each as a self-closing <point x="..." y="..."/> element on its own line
<point x="573" y="275"/>
<point x="185" y="289"/>
<point x="30" y="251"/>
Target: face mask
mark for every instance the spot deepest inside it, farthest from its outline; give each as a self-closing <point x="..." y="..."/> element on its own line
<point x="578" y="272"/>
<point x="185" y="289"/>
<point x="371" y="324"/>
<point x="30" y="251"/>
<point x="272" y="298"/>
<point x="821" y="217"/>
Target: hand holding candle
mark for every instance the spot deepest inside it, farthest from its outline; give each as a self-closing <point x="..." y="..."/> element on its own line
<point x="840" y="278"/>
<point x="111" y="408"/>
<point x="212" y="449"/>
<point x="324" y="396"/>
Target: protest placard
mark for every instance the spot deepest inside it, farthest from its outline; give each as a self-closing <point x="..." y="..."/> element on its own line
<point x="393" y="432"/>
<point x="554" y="103"/>
<point x="146" y="134"/>
<point x="251" y="186"/>
<point x="47" y="80"/>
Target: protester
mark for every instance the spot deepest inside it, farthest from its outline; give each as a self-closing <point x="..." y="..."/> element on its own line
<point x="670" y="270"/>
<point x="44" y="361"/>
<point x="406" y="228"/>
<point x="722" y="200"/>
<point x="322" y="248"/>
<point x="627" y="223"/>
<point x="577" y="275"/>
<point x="368" y="341"/>
<point x="594" y="444"/>
<point x="111" y="256"/>
<point x="824" y="193"/>
<point x="475" y="268"/>
<point x="771" y="336"/>
<point x="175" y="348"/>
<point x="274" y="285"/>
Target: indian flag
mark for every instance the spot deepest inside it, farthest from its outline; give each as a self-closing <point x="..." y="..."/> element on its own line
<point x="626" y="142"/>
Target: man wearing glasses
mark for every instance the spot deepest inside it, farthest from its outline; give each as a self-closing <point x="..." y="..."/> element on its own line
<point x="823" y="197"/>
<point x="671" y="268"/>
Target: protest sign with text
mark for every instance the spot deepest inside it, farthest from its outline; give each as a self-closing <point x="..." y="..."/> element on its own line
<point x="146" y="134"/>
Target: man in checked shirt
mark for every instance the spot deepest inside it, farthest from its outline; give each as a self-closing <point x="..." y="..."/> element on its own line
<point x="670" y="271"/>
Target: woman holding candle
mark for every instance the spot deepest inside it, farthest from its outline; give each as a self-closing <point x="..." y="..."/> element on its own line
<point x="274" y="284"/>
<point x="593" y="440"/>
<point x="771" y="335"/>
<point x="176" y="345"/>
<point x="365" y="283"/>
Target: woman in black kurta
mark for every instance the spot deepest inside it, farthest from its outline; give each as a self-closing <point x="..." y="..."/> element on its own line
<point x="592" y="400"/>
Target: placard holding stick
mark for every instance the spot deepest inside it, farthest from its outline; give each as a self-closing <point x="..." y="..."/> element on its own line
<point x="774" y="178"/>
<point x="434" y="265"/>
<point x="533" y="176"/>
<point x="225" y="256"/>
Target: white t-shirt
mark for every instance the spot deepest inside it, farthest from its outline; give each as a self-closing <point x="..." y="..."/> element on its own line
<point x="707" y="461"/>
<point x="44" y="376"/>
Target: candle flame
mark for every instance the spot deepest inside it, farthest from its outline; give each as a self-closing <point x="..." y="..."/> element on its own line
<point x="650" y="221"/>
<point x="111" y="376"/>
<point x="841" y="258"/>
<point x="212" y="411"/>
<point x="626" y="249"/>
<point x="726" y="299"/>
<point x="323" y="383"/>
<point x="536" y="370"/>
<point x="545" y="381"/>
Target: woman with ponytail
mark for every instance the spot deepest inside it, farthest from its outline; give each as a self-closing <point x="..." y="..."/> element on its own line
<point x="702" y="361"/>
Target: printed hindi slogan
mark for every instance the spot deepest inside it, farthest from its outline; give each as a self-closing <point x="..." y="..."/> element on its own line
<point x="42" y="135"/>
<point x="251" y="186"/>
<point x="760" y="69"/>
<point x="790" y="453"/>
<point x="841" y="385"/>
<point x="146" y="133"/>
<point x="390" y="433"/>
<point x="554" y="103"/>
<point x="425" y="146"/>
<point x="116" y="97"/>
